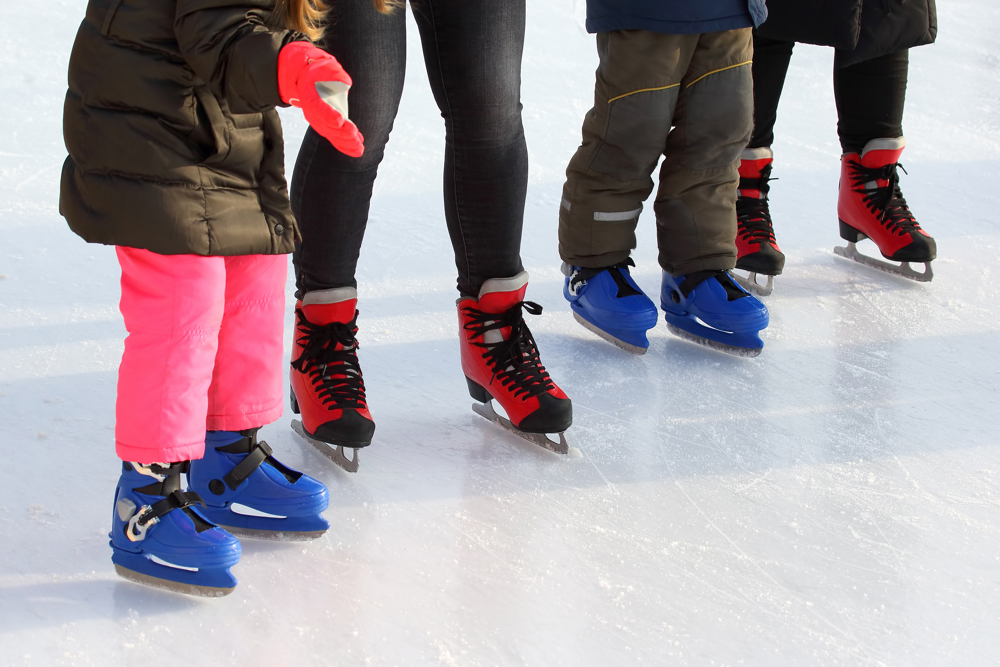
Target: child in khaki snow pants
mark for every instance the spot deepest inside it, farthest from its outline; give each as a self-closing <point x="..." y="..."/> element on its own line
<point x="689" y="98"/>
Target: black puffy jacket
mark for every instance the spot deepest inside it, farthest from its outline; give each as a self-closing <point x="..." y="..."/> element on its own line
<point x="174" y="142"/>
<point x="859" y="29"/>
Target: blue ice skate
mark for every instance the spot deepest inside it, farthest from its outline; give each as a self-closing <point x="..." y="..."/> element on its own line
<point x="159" y="539"/>
<point x="711" y="309"/>
<point x="251" y="494"/>
<point x="608" y="302"/>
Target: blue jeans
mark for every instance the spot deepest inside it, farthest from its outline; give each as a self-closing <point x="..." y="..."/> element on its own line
<point x="472" y="50"/>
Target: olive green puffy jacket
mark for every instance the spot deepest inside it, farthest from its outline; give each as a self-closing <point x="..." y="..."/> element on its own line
<point x="174" y="143"/>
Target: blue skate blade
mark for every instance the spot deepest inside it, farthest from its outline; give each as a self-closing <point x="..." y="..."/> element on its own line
<point x="629" y="340"/>
<point x="741" y="344"/>
<point x="140" y="568"/>
<point x="292" y="528"/>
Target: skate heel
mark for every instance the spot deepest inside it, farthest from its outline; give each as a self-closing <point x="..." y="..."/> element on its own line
<point x="477" y="392"/>
<point x="294" y="401"/>
<point x="849" y="233"/>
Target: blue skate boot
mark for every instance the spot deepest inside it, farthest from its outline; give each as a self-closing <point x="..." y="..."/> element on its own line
<point x="251" y="494"/>
<point x="608" y="302"/>
<point x="711" y="309"/>
<point x="159" y="539"/>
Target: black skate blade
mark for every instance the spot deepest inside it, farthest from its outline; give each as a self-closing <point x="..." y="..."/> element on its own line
<point x="175" y="586"/>
<point x="634" y="349"/>
<point x="903" y="269"/>
<point x="333" y="452"/>
<point x="750" y="284"/>
<point x="486" y="411"/>
<point x="747" y="352"/>
<point x="274" y="535"/>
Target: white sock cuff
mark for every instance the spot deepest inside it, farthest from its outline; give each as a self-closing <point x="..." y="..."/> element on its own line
<point x="329" y="296"/>
<point x="504" y="284"/>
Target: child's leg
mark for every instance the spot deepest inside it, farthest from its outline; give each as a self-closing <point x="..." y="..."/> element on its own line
<point x="245" y="489"/>
<point x="246" y="389"/>
<point x="638" y="83"/>
<point x="696" y="203"/>
<point x="173" y="307"/>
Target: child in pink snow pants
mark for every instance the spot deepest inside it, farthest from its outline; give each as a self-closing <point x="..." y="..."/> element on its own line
<point x="176" y="157"/>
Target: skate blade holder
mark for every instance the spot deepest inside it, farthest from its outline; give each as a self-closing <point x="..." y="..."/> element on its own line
<point x="707" y="341"/>
<point x="333" y="452"/>
<point x="750" y="284"/>
<point x="608" y="336"/>
<point x="561" y="446"/>
<point x="903" y="269"/>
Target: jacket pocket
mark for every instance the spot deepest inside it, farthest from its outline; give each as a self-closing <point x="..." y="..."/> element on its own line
<point x="211" y="130"/>
<point x="106" y="25"/>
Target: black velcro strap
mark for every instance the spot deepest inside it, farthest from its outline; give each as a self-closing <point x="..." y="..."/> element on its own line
<point x="253" y="460"/>
<point x="692" y="280"/>
<point x="176" y="500"/>
<point x="624" y="289"/>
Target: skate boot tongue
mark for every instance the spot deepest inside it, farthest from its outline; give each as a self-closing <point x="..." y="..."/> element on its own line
<point x="329" y="306"/>
<point x="498" y="295"/>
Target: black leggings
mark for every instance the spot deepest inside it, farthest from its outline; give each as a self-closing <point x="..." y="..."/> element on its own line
<point x="472" y="51"/>
<point x="870" y="95"/>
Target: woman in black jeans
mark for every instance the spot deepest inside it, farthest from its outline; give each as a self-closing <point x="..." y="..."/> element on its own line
<point x="869" y="81"/>
<point x="472" y="50"/>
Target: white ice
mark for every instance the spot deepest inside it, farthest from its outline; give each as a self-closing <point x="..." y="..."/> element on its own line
<point x="835" y="501"/>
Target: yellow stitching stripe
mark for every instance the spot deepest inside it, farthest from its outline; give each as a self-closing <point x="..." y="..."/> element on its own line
<point x="716" y="71"/>
<point x="644" y="90"/>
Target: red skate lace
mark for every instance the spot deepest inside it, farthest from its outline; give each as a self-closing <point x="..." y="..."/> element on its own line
<point x="753" y="215"/>
<point x="517" y="356"/>
<point x="338" y="371"/>
<point x="886" y="202"/>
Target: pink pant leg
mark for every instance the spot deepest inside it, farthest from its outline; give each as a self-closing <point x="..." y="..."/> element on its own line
<point x="247" y="385"/>
<point x="173" y="309"/>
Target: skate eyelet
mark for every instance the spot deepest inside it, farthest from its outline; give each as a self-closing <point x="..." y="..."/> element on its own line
<point x="217" y="487"/>
<point x="675" y="296"/>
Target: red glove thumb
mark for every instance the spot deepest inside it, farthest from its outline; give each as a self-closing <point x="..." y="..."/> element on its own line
<point x="313" y="80"/>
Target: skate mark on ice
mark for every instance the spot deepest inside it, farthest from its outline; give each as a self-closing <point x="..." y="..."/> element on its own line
<point x="845" y="633"/>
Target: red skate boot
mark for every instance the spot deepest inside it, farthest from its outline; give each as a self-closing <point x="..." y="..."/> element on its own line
<point x="871" y="205"/>
<point x="500" y="361"/>
<point x="756" y="248"/>
<point x="327" y="387"/>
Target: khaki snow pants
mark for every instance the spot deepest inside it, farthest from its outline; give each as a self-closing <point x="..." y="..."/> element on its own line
<point x="688" y="98"/>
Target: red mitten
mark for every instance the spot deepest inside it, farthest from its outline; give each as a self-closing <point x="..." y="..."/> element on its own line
<point x="313" y="80"/>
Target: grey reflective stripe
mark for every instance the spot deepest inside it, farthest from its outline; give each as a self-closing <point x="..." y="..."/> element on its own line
<point x="566" y="204"/>
<point x="617" y="217"/>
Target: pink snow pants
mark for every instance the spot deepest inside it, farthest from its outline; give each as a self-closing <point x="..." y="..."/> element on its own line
<point x="204" y="350"/>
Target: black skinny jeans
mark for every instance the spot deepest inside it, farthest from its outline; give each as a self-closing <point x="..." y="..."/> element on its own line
<point x="870" y="95"/>
<point x="472" y="50"/>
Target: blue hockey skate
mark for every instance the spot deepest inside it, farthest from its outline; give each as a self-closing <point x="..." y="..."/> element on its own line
<point x="251" y="494"/>
<point x="711" y="309"/>
<point x="159" y="539"/>
<point x="608" y="302"/>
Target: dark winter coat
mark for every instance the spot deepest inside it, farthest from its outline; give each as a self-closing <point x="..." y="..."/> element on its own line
<point x="174" y="143"/>
<point x="859" y="29"/>
<point x="674" y="17"/>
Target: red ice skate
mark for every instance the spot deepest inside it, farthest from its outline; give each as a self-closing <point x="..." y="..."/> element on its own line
<point x="756" y="248"/>
<point x="327" y="387"/>
<point x="871" y="205"/>
<point x="500" y="360"/>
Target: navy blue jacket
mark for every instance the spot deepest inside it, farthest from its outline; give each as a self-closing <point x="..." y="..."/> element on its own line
<point x="674" y="17"/>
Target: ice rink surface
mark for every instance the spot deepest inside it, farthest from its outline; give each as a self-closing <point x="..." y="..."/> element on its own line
<point x="835" y="501"/>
